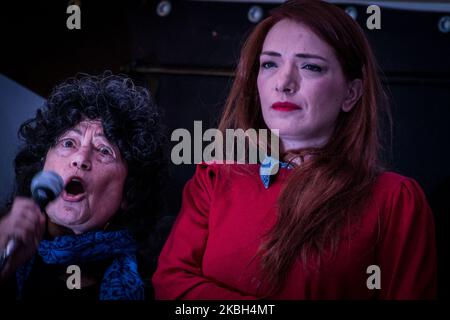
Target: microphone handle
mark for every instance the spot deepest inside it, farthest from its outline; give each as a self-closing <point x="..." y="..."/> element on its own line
<point x="41" y="198"/>
<point x="10" y="247"/>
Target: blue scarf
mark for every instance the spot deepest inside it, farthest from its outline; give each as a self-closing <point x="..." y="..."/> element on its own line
<point x="121" y="280"/>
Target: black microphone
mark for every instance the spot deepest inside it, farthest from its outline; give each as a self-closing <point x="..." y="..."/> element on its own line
<point x="46" y="186"/>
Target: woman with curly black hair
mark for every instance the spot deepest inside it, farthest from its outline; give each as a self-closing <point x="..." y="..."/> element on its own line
<point x="103" y="136"/>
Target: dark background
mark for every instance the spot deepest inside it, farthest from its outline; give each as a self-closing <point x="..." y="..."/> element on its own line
<point x="187" y="60"/>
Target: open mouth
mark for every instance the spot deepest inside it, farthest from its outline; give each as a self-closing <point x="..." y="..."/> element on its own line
<point x="74" y="187"/>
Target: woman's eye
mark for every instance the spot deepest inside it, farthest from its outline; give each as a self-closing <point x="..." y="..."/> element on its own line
<point x="313" y="67"/>
<point x="268" y="65"/>
<point x="106" y="151"/>
<point x="67" y="143"/>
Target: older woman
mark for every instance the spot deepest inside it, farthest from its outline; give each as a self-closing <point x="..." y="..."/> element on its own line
<point x="102" y="135"/>
<point x="331" y="224"/>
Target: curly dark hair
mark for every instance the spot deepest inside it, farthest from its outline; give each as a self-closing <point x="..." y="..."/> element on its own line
<point x="130" y="119"/>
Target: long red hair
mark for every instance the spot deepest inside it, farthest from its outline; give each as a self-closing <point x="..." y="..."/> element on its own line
<point x="325" y="192"/>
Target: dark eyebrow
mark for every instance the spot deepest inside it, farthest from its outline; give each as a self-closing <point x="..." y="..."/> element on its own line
<point x="75" y="130"/>
<point x="78" y="131"/>
<point x="100" y="135"/>
<point x="299" y="55"/>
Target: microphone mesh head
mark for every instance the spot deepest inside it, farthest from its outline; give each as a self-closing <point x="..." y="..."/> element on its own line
<point x="48" y="181"/>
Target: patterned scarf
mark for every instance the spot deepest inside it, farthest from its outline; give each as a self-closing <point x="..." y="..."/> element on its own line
<point x="121" y="280"/>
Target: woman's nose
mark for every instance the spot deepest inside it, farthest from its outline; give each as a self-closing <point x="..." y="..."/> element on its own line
<point x="81" y="159"/>
<point x="288" y="81"/>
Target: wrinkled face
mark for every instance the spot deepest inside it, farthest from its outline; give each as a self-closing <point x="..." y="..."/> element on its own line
<point x="94" y="174"/>
<point x="301" y="85"/>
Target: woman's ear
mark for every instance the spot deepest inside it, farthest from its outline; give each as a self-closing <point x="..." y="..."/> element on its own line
<point x="353" y="95"/>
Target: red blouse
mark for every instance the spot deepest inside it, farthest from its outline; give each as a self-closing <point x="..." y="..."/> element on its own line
<point x="210" y="251"/>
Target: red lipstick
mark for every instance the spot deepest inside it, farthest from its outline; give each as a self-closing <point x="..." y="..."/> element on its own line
<point x="285" y="106"/>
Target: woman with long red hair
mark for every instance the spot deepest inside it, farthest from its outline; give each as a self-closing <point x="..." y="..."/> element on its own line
<point x="331" y="223"/>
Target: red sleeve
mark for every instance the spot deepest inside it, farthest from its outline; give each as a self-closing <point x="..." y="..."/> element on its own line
<point x="407" y="252"/>
<point x="179" y="273"/>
